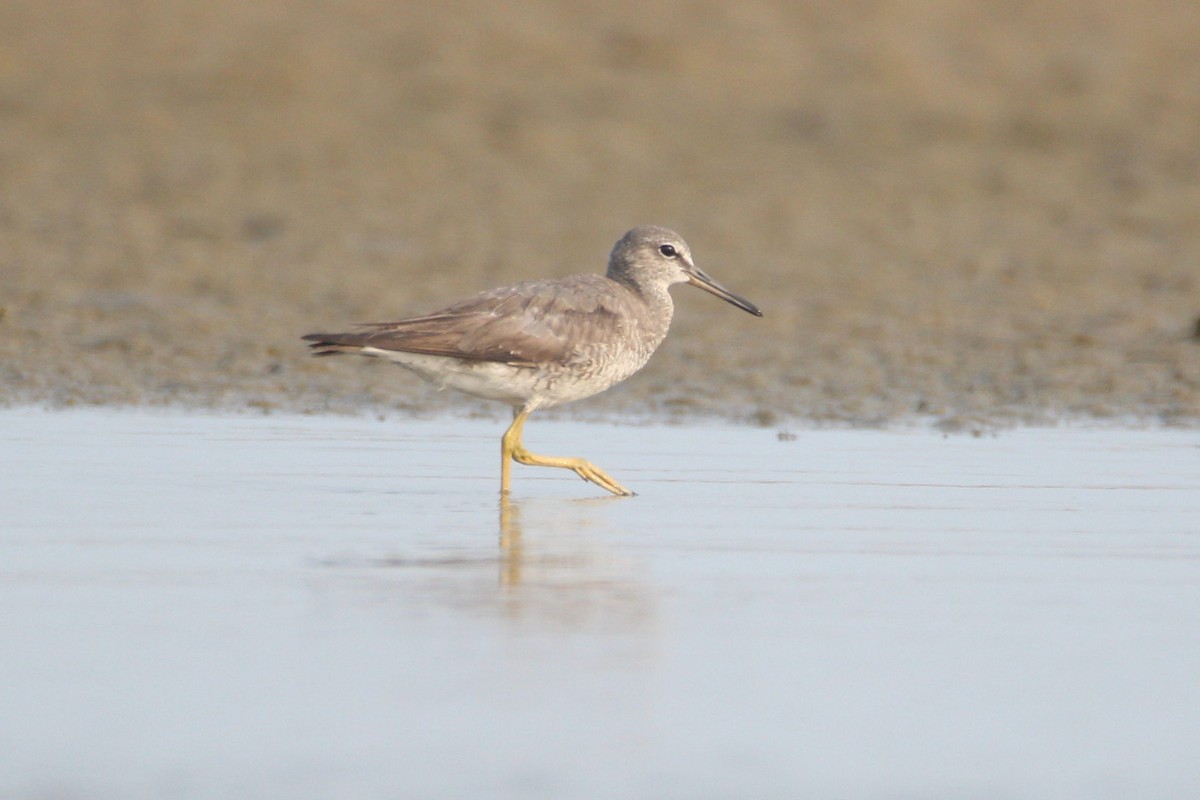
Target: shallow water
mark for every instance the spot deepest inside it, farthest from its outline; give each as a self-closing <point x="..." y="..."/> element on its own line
<point x="212" y="606"/>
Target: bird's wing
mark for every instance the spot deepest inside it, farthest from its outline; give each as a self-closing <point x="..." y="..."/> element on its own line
<point x="534" y="322"/>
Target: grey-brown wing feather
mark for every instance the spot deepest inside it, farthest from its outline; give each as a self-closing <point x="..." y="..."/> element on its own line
<point x="528" y="323"/>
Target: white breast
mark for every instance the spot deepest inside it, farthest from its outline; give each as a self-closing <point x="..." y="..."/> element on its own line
<point x="527" y="387"/>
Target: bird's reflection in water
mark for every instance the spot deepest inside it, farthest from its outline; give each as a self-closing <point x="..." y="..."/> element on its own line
<point x="561" y="545"/>
<point x="557" y="562"/>
<point x="510" y="542"/>
<point x="560" y="561"/>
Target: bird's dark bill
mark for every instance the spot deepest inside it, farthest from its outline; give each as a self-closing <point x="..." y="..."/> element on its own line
<point x="700" y="279"/>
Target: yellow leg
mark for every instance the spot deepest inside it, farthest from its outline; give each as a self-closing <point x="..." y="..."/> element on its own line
<point x="506" y="456"/>
<point x="511" y="448"/>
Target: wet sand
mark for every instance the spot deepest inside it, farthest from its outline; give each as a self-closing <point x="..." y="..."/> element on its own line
<point x="975" y="213"/>
<point x="208" y="606"/>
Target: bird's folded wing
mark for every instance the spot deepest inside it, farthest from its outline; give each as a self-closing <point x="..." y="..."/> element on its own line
<point x="536" y="322"/>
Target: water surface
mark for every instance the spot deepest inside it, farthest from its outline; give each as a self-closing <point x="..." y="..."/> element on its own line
<point x="210" y="606"/>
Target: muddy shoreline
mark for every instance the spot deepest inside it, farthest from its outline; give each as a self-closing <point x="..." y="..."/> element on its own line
<point x="969" y="215"/>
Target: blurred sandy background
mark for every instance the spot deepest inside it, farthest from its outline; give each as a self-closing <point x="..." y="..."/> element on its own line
<point x="979" y="211"/>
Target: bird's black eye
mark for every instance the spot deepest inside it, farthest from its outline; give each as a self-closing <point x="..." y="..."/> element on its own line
<point x="668" y="250"/>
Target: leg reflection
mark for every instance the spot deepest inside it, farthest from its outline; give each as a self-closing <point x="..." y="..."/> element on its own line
<point x="510" y="541"/>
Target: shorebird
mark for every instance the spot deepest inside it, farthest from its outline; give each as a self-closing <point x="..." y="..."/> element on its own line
<point x="541" y="343"/>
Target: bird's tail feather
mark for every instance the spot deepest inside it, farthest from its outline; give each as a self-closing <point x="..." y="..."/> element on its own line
<point x="332" y="344"/>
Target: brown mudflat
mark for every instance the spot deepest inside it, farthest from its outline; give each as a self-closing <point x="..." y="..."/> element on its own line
<point x="981" y="214"/>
